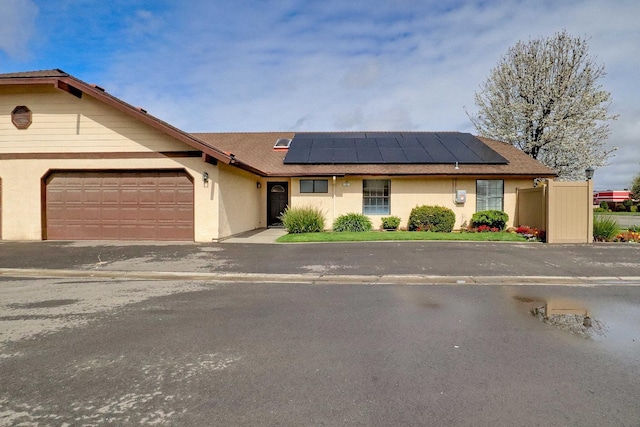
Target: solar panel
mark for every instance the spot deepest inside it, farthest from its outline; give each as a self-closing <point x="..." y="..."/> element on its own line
<point x="389" y="148"/>
<point x="417" y="155"/>
<point x="345" y="155"/>
<point x="460" y="151"/>
<point x="321" y="155"/>
<point x="393" y="155"/>
<point x="434" y="147"/>
<point x="388" y="142"/>
<point x="369" y="155"/>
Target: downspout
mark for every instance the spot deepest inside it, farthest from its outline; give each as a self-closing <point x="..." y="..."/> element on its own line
<point x="334" y="200"/>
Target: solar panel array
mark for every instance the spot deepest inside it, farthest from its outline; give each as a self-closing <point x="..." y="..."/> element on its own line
<point x="390" y="148"/>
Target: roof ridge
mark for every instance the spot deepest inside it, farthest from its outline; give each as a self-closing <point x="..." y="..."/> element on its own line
<point x="53" y="72"/>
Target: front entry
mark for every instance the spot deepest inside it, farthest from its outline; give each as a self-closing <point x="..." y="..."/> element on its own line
<point x="277" y="200"/>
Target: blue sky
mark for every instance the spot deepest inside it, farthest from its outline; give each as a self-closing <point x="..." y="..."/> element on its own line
<point x="214" y="65"/>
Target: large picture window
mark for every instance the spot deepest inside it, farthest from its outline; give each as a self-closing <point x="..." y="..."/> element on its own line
<point x="489" y="195"/>
<point x="314" y="186"/>
<point x="375" y="197"/>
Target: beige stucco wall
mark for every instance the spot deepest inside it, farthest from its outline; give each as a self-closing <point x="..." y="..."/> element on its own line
<point x="406" y="193"/>
<point x="63" y="123"/>
<point x="239" y="201"/>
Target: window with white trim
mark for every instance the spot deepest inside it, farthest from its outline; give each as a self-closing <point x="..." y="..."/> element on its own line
<point x="314" y="186"/>
<point x="489" y="195"/>
<point x="375" y="196"/>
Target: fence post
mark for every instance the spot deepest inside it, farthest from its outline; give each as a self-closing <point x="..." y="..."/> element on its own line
<point x="590" y="211"/>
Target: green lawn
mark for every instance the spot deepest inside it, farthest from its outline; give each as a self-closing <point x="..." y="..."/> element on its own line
<point x="618" y="213"/>
<point x="398" y="235"/>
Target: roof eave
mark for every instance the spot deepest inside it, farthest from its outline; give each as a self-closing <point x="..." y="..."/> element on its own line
<point x="64" y="82"/>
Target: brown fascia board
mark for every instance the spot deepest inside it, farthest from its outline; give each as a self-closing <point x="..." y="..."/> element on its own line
<point x="416" y="175"/>
<point x="65" y="82"/>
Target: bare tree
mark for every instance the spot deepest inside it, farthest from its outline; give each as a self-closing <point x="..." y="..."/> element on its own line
<point x="544" y="98"/>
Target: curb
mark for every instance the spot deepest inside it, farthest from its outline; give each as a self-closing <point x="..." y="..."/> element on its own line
<point x="328" y="279"/>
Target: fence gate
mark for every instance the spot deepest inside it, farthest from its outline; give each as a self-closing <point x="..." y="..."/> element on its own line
<point x="563" y="209"/>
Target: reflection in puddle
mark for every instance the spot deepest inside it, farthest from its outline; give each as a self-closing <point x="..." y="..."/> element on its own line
<point x="614" y="325"/>
<point x="571" y="318"/>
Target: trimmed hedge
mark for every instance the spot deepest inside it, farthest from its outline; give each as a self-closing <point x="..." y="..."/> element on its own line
<point x="306" y="219"/>
<point x="431" y="218"/>
<point x="490" y="218"/>
<point x="352" y="222"/>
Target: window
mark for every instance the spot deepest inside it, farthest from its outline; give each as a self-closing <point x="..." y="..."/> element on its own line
<point x="375" y="196"/>
<point x="489" y="194"/>
<point x="314" y="186"/>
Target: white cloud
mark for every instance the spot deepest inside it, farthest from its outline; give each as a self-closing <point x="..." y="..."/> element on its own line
<point x="17" y="21"/>
<point x="213" y="65"/>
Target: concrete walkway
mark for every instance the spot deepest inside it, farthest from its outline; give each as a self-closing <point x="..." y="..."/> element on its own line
<point x="260" y="236"/>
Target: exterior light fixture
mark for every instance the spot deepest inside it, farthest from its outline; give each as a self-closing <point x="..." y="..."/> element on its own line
<point x="457" y="167"/>
<point x="346" y="184"/>
<point x="589" y="172"/>
<point x="258" y="184"/>
<point x="205" y="177"/>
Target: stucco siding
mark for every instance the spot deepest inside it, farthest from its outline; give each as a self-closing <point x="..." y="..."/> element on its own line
<point x="82" y="130"/>
<point x="239" y="207"/>
<point x="63" y="123"/>
<point x="405" y="194"/>
<point x="23" y="181"/>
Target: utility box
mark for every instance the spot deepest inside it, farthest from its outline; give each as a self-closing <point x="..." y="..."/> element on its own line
<point x="461" y="196"/>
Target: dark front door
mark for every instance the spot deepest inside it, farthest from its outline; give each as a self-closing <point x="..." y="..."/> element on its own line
<point x="277" y="200"/>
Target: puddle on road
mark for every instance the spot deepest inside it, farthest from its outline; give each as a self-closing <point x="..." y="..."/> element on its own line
<point x="613" y="325"/>
<point x="570" y="317"/>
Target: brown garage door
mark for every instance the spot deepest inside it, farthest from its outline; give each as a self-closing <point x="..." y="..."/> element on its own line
<point x="106" y="205"/>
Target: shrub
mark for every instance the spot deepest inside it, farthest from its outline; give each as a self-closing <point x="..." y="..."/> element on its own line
<point x="600" y="210"/>
<point x="634" y="209"/>
<point x="634" y="228"/>
<point x="306" y="219"/>
<point x="352" y="222"/>
<point x="604" y="205"/>
<point x="390" y="222"/>
<point x="605" y="228"/>
<point x="620" y="208"/>
<point x="431" y="218"/>
<point x="491" y="218"/>
<point x="627" y="204"/>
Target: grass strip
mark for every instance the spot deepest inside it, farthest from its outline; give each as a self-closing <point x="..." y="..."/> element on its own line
<point x="372" y="236"/>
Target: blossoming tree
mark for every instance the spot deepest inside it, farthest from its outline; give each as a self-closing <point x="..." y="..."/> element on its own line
<point x="544" y="98"/>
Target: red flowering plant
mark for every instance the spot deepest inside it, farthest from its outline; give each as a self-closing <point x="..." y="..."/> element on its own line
<point x="486" y="229"/>
<point x="531" y="233"/>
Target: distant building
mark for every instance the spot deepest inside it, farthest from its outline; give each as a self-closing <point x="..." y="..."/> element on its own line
<point x="611" y="196"/>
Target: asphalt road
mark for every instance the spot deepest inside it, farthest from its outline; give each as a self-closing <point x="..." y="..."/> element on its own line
<point x="626" y="220"/>
<point x="131" y="353"/>
<point x="377" y="258"/>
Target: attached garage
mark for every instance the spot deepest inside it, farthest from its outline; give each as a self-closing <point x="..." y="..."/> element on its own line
<point x="118" y="205"/>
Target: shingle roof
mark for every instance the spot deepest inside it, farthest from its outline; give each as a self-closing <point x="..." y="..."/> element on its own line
<point x="35" y="74"/>
<point x="256" y="149"/>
